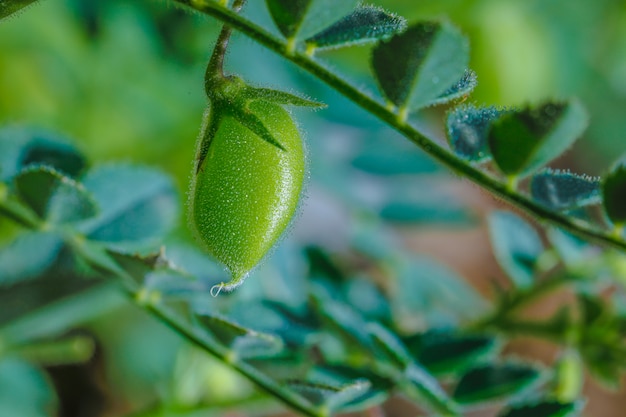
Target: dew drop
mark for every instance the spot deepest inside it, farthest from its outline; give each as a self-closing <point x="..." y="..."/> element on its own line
<point x="216" y="289"/>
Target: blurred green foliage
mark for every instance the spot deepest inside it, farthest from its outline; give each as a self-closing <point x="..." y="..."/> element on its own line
<point x="124" y="79"/>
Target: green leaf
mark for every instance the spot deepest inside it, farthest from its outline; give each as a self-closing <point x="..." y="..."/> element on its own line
<point x="49" y="307"/>
<point x="28" y="256"/>
<point x="389" y="345"/>
<point x="562" y="190"/>
<point x="245" y="342"/>
<point x="330" y="396"/>
<point x="304" y="18"/>
<point x="430" y="391"/>
<point x="429" y="291"/>
<point x="364" y="295"/>
<point x="494" y="381"/>
<point x="341" y="375"/>
<point x="415" y="68"/>
<point x="55" y="198"/>
<point x="21" y="147"/>
<point x="349" y="322"/>
<point x="385" y="160"/>
<point x="25" y="391"/>
<point x="8" y="7"/>
<point x="523" y="141"/>
<point x="462" y="88"/>
<point x="570" y="248"/>
<point x="445" y="352"/>
<point x="364" y="25"/>
<point x="428" y="211"/>
<point x="280" y="97"/>
<point x="516" y="245"/>
<point x="418" y="378"/>
<point x="614" y="194"/>
<point x="174" y="284"/>
<point x="138" y="205"/>
<point x="545" y="408"/>
<point x="467" y="129"/>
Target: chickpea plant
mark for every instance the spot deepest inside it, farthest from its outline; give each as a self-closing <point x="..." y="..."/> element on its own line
<point x="331" y="339"/>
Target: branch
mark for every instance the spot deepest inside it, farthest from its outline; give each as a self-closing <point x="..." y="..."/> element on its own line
<point x="378" y="109"/>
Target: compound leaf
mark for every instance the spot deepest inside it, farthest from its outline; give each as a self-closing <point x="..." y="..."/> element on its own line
<point x="21" y="147"/>
<point x="28" y="256"/>
<point x="415" y="68"/>
<point x="467" y="129"/>
<point x="494" y="381"/>
<point x="445" y="352"/>
<point x="562" y="190"/>
<point x="546" y="408"/>
<point x="245" y="342"/>
<point x="516" y="245"/>
<point x="8" y="7"/>
<point x="462" y="88"/>
<point x="130" y="218"/>
<point x="523" y="141"/>
<point x="54" y="197"/>
<point x="614" y="194"/>
<point x="303" y="18"/>
<point x="334" y="397"/>
<point x="365" y="24"/>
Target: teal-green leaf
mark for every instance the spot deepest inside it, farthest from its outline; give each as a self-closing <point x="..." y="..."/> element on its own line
<point x="563" y="190"/>
<point x="571" y="249"/>
<point x="523" y="141"/>
<point x="245" y="342"/>
<point x="416" y="67"/>
<point x="303" y="18"/>
<point x="341" y="375"/>
<point x="331" y="396"/>
<point x="545" y="408"/>
<point x="428" y="290"/>
<point x="384" y="160"/>
<point x="28" y="256"/>
<point x="494" y="381"/>
<point x="426" y="211"/>
<point x="389" y="345"/>
<point x="138" y="205"/>
<point x="25" y="391"/>
<point x="280" y="97"/>
<point x="460" y="89"/>
<point x="516" y="245"/>
<point x="349" y="322"/>
<point x="8" y="7"/>
<point x="445" y="352"/>
<point x="429" y="390"/>
<point x="467" y="129"/>
<point x="614" y="194"/>
<point x="55" y="198"/>
<point x="21" y="147"/>
<point x="365" y="24"/>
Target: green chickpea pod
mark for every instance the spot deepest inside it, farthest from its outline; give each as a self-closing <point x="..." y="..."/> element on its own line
<point x="246" y="190"/>
<point x="249" y="171"/>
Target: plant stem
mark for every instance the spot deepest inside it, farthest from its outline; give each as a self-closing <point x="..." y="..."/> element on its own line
<point x="384" y="113"/>
<point x="215" y="68"/>
<point x="519" y="299"/>
<point x="153" y="305"/>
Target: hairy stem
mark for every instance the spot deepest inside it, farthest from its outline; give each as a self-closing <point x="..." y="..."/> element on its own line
<point x="378" y="109"/>
<point x="215" y="68"/>
<point x="152" y="303"/>
<point x="518" y="299"/>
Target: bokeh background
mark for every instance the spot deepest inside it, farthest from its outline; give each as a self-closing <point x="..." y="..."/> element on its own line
<point x="123" y="80"/>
